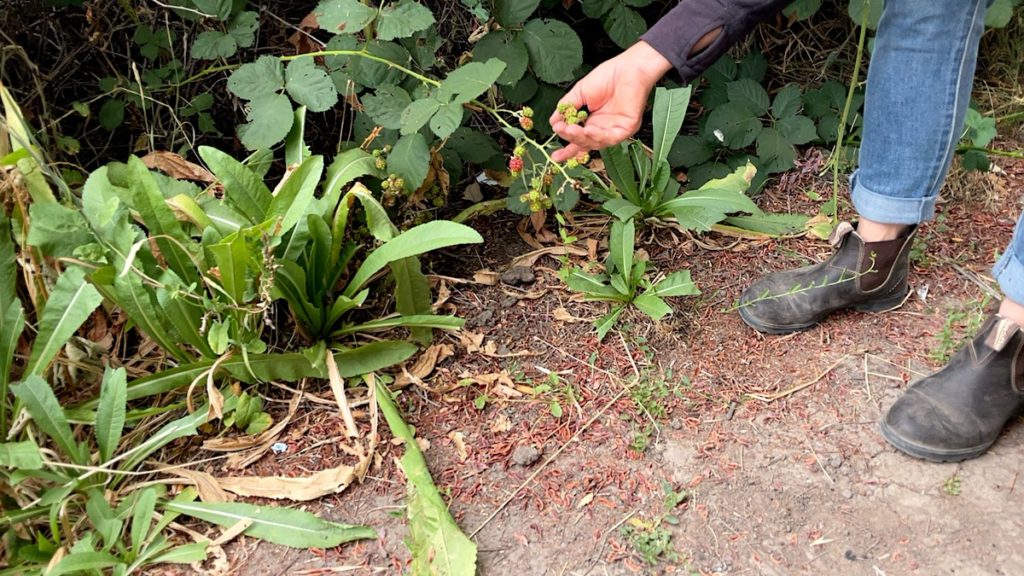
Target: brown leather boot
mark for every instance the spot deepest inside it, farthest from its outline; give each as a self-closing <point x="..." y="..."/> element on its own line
<point x="958" y="412"/>
<point x="867" y="276"/>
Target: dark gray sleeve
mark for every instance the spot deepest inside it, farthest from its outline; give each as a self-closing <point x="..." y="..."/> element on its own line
<point x="675" y="34"/>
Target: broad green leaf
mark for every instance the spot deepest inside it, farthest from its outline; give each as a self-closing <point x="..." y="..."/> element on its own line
<point x="12" y="323"/>
<point x="736" y="124"/>
<point x="621" y="209"/>
<point x="506" y="47"/>
<point x="446" y="120"/>
<point x="386" y="105"/>
<point x="470" y="80"/>
<point x="593" y="287"/>
<point x="512" y="13"/>
<point x="295" y="149"/>
<point x="184" y="554"/>
<point x="412" y="292"/>
<point x="750" y="95"/>
<point x="775" y="151"/>
<point x="403" y="20"/>
<point x="597" y="8"/>
<point x="218" y="9"/>
<point x="412" y="242"/>
<point x="309" y="85"/>
<point x="677" y="283"/>
<point x="372" y="73"/>
<point x="472" y="145"/>
<point x="294" y="196"/>
<point x="70" y="304"/>
<point x="372" y="357"/>
<point x="981" y="130"/>
<point x="263" y="77"/>
<point x="753" y="66"/>
<point x="652" y="305"/>
<point x="555" y="49"/>
<point x="437" y="544"/>
<point x="624" y="25"/>
<point x="689" y="151"/>
<point x="56" y="230"/>
<point x="138" y="301"/>
<point x="999" y="13"/>
<point x="344" y="16"/>
<point x="770" y="224"/>
<point x="158" y="218"/>
<point x="42" y="405"/>
<point x="620" y="170"/>
<point x="102" y="517"/>
<point x="866" y="12"/>
<point x="213" y="44"/>
<point x="269" y="119"/>
<point x="111" y="114"/>
<point x="8" y="265"/>
<point x="620" y="246"/>
<point x="232" y="256"/>
<point x="78" y="562"/>
<point x="142" y="516"/>
<point x="975" y="160"/>
<point x="787" y="102"/>
<point x="410" y="159"/>
<point x="284" y="526"/>
<point x="418" y="113"/>
<point x="110" y="413"/>
<point x="346" y="167"/>
<point x="21" y="455"/>
<point x="243" y="189"/>
<point x="605" y="323"/>
<point x="801" y="9"/>
<point x="669" y="111"/>
<point x="797" y="130"/>
<point x="243" y="28"/>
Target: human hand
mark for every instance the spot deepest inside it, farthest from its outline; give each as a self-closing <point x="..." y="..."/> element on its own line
<point x="614" y="94"/>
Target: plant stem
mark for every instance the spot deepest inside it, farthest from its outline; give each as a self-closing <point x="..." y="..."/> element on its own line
<point x="846" y="113"/>
<point x="992" y="152"/>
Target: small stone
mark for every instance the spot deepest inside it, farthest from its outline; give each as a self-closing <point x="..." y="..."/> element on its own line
<point x="847" y="494"/>
<point x="835" y="462"/>
<point x="484" y="318"/>
<point x="526" y="455"/>
<point x="509" y="301"/>
<point x="518" y="275"/>
<point x="676" y="423"/>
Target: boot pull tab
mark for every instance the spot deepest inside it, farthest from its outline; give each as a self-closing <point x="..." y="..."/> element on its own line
<point x="1000" y="334"/>
<point x="841" y="231"/>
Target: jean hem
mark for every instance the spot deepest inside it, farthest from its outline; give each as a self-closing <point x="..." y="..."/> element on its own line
<point x="1009" y="272"/>
<point x="887" y="209"/>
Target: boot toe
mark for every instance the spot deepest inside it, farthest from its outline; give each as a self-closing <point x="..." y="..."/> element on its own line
<point x="922" y="427"/>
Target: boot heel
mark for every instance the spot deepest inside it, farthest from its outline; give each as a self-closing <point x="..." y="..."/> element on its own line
<point x="884" y="305"/>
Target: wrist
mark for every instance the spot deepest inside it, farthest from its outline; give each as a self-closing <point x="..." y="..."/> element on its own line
<point x="648" y="62"/>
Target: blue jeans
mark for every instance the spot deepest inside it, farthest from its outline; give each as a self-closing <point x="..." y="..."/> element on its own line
<point x="918" y="89"/>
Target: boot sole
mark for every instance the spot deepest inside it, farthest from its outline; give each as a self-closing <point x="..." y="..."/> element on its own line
<point x="931" y="454"/>
<point x="891" y="303"/>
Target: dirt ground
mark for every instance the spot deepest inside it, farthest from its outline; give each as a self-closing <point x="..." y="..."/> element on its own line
<point x="774" y="440"/>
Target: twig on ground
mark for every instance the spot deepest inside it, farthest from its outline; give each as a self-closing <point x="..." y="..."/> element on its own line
<point x="779" y="395"/>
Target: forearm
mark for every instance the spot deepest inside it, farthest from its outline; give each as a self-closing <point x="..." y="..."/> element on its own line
<point x="686" y="35"/>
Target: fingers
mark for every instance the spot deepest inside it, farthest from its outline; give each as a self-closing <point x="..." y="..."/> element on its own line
<point x="570" y="151"/>
<point x="575" y="97"/>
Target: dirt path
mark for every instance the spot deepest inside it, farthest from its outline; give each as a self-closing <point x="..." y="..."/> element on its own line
<point x="803" y="484"/>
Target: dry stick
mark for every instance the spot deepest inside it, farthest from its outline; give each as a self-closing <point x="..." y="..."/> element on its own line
<point x="798" y="387"/>
<point x="548" y="461"/>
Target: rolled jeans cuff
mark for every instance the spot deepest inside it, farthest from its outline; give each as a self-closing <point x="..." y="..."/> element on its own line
<point x="886" y="209"/>
<point x="1009" y="272"/>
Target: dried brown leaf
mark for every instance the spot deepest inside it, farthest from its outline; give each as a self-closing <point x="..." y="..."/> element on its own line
<point x="301" y="489"/>
<point x="177" y="167"/>
<point x="486" y="277"/>
<point x="206" y="484"/>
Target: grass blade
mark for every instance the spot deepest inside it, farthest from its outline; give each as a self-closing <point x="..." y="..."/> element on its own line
<point x="42" y="405"/>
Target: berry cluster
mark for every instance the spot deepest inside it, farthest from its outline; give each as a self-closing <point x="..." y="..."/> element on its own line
<point x="581" y="159"/>
<point x="392" y="188"/>
<point x="571" y="115"/>
<point x="380" y="157"/>
<point x="535" y="198"/>
<point x="526" y="118"/>
<point x="515" y="163"/>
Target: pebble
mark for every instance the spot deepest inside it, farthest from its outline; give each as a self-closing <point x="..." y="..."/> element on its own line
<point x="835" y="461"/>
<point x="526" y="455"/>
<point x="518" y="275"/>
<point x="847" y="494"/>
<point x="279" y="447"/>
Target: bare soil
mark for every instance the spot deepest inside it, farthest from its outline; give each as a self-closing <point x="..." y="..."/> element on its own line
<point x="775" y="439"/>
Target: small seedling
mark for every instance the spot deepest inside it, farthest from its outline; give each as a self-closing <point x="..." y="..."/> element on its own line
<point x="952" y="485"/>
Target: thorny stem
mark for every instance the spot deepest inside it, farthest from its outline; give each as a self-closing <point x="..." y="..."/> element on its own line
<point x="798" y="289"/>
